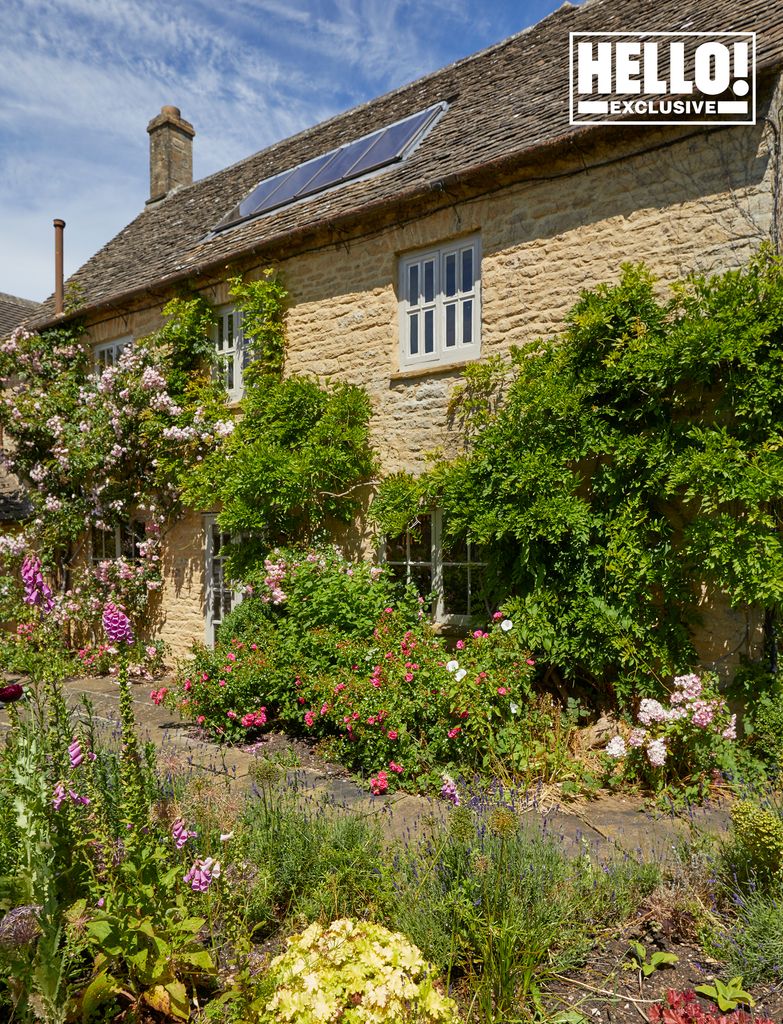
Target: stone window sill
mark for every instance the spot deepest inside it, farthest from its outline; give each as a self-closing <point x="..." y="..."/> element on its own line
<point x="427" y="371"/>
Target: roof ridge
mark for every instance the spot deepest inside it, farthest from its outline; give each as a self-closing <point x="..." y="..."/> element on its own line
<point x="17" y="300"/>
<point x="565" y="7"/>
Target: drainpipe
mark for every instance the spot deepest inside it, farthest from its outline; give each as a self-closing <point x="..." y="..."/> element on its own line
<point x="58" y="266"/>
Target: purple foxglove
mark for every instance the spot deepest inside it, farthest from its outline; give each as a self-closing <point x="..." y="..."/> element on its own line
<point x="116" y="624"/>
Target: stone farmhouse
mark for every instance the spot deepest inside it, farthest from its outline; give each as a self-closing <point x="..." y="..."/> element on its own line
<point x="476" y="232"/>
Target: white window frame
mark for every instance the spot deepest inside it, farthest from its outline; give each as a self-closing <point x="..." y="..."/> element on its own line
<point x="211" y="623"/>
<point x="108" y="353"/>
<point x="445" y="312"/>
<point x="113" y="536"/>
<point x="230" y="350"/>
<point x="436" y="562"/>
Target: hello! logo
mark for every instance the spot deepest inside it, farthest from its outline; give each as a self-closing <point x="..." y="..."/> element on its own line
<point x="662" y="77"/>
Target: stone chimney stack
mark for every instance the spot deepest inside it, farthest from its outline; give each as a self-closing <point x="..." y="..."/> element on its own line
<point x="171" y="153"/>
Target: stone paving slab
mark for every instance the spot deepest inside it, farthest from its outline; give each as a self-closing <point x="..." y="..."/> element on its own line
<point x="604" y="826"/>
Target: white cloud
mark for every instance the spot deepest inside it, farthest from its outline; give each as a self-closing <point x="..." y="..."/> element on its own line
<point x="81" y="78"/>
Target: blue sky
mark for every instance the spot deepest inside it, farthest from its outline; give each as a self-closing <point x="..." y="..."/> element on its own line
<point x="80" y="79"/>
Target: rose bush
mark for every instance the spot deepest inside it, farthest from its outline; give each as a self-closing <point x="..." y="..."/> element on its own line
<point x="681" y="739"/>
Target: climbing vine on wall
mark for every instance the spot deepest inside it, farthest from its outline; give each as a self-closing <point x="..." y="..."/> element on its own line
<point x="633" y="461"/>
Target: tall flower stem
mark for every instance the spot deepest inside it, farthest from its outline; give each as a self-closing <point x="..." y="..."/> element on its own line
<point x="131" y="779"/>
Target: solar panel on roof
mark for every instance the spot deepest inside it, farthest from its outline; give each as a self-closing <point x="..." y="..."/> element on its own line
<point x="257" y="196"/>
<point x="378" y="149"/>
<point x="392" y="142"/>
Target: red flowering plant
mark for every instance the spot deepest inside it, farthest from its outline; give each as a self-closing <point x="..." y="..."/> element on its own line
<point x="229" y="691"/>
<point x="685" y="1008"/>
<point x="405" y="704"/>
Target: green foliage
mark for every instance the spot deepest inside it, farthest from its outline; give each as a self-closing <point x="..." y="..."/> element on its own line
<point x="752" y="945"/>
<point x="632" y="459"/>
<point x="294" y="462"/>
<point x="650" y="964"/>
<point x="758" y="832"/>
<point x="262" y="304"/>
<point x="319" y="649"/>
<point x="728" y="995"/>
<point x="307" y="866"/>
<point x="761" y="693"/>
<point x="358" y="971"/>
<point x="503" y="908"/>
<point x="399" y="499"/>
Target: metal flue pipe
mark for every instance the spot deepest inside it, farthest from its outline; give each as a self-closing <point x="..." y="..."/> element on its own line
<point x="58" y="266"/>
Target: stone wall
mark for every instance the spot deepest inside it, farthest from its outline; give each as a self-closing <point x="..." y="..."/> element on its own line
<point x="701" y="203"/>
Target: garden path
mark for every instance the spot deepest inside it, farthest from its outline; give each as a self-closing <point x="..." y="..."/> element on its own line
<point x="605" y="825"/>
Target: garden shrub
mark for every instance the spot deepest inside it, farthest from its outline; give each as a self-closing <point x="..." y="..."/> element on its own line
<point x="492" y="900"/>
<point x="403" y="703"/>
<point x="761" y="695"/>
<point x="387" y="693"/>
<point x="306" y="865"/>
<point x="357" y="971"/>
<point x="682" y="742"/>
<point x="758" y="832"/>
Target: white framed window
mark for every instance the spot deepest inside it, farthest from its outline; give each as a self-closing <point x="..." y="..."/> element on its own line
<point x="117" y="542"/>
<point x="221" y="598"/>
<point x="452" y="571"/>
<point x="232" y="351"/>
<point x="108" y="353"/>
<point x="440" y="304"/>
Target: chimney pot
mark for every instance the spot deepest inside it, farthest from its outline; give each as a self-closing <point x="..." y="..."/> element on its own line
<point x="171" y="153"/>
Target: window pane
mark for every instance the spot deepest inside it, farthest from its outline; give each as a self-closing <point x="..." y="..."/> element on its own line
<point x="413" y="334"/>
<point x="476" y="552"/>
<point x="451" y="326"/>
<point x="451" y="274"/>
<point x="421" y="541"/>
<point x="413" y="284"/>
<point x="467" y="322"/>
<point x="477" y="575"/>
<point x="455" y="590"/>
<point x="399" y="573"/>
<point x="394" y="549"/>
<point x="230" y="373"/>
<point x="421" y="577"/>
<point x="220" y="334"/>
<point x="455" y="550"/>
<point x="130" y="538"/>
<point x="467" y="270"/>
<point x="230" y="329"/>
<point x="429" y="281"/>
<point x="429" y="330"/>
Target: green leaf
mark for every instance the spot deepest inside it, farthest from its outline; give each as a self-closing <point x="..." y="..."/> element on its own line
<point x="192" y="925"/>
<point x="100" y="990"/>
<point x="198" y="958"/>
<point x="100" y="929"/>
<point x="659" y="959"/>
<point x="180" y="1006"/>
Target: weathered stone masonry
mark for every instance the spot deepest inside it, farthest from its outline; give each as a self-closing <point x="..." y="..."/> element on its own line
<point x="701" y="202"/>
